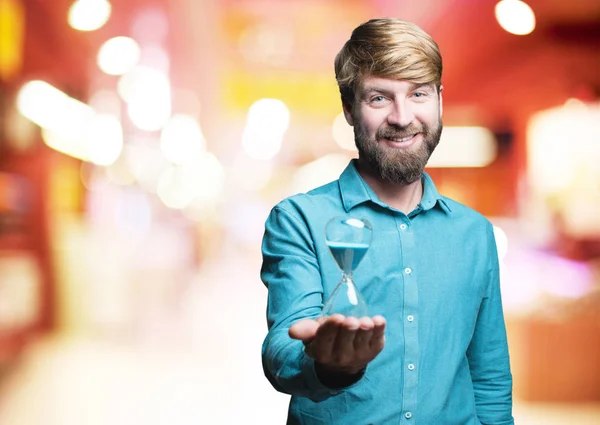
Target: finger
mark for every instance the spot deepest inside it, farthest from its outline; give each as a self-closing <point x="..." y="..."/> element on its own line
<point x="309" y="349"/>
<point x="344" y="354"/>
<point x="325" y="339"/>
<point x="304" y="330"/>
<point x="366" y="323"/>
<point x="378" y="338"/>
<point x="363" y="336"/>
<point x="379" y="320"/>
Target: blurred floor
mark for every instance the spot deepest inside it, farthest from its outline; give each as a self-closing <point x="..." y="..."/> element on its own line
<point x="66" y="381"/>
<point x="197" y="364"/>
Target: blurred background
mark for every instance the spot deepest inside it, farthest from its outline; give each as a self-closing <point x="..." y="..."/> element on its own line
<point x="143" y="143"/>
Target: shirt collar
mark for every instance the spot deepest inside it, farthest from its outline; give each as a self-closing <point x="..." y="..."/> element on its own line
<point x="355" y="190"/>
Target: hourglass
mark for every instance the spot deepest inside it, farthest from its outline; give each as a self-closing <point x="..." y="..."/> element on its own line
<point x="348" y="239"/>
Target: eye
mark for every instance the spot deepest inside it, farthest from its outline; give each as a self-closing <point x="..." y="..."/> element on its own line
<point x="378" y="100"/>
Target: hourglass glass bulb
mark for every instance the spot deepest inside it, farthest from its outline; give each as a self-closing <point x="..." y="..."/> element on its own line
<point x="348" y="239"/>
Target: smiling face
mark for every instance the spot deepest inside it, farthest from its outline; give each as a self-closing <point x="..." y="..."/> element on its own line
<point x="397" y="125"/>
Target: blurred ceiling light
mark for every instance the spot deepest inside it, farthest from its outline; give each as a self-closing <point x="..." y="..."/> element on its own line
<point x="182" y="139"/>
<point x="139" y="79"/>
<point x="515" y="17"/>
<point x="49" y="107"/>
<point x="343" y="133"/>
<point x="553" y="164"/>
<point x="267" y="122"/>
<point x="70" y="126"/>
<point x="464" y="147"/>
<point x="118" y="55"/>
<point x="319" y="172"/>
<point x="89" y="15"/>
<point x="148" y="95"/>
<point x="67" y="142"/>
<point x="104" y="139"/>
<point x="99" y="140"/>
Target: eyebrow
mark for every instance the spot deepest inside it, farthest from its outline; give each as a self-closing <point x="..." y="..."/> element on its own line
<point x="414" y="86"/>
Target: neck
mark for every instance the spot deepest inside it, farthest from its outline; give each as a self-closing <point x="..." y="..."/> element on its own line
<point x="403" y="197"/>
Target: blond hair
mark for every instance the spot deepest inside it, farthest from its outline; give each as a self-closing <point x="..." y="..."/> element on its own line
<point x="387" y="47"/>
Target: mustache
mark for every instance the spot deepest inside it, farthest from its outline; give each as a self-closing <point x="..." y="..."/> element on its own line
<point x="395" y="132"/>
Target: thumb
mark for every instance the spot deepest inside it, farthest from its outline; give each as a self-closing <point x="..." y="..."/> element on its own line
<point x="304" y="330"/>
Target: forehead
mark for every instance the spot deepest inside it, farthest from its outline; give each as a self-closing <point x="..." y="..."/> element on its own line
<point x="385" y="84"/>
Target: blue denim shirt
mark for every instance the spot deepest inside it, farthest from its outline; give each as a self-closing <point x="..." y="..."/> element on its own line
<point x="433" y="274"/>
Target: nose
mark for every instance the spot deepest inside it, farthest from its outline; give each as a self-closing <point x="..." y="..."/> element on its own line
<point x="401" y="114"/>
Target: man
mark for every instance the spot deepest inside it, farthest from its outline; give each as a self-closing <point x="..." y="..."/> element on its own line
<point x="435" y="350"/>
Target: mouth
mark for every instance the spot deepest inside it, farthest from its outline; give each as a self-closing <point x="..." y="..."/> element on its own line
<point x="402" y="142"/>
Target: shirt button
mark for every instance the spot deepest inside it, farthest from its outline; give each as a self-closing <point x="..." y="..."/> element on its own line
<point x="410" y="318"/>
<point x="411" y="367"/>
<point x="408" y="415"/>
<point x="403" y="226"/>
<point x="408" y="270"/>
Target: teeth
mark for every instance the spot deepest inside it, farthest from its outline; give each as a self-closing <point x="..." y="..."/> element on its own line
<point x="405" y="139"/>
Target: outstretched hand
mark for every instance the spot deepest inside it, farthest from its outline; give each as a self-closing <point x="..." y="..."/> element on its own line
<point x="342" y="344"/>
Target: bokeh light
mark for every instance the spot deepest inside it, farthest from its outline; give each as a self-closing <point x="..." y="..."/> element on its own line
<point x="118" y="55"/>
<point x="89" y="15"/>
<point x="267" y="122"/>
<point x="515" y="16"/>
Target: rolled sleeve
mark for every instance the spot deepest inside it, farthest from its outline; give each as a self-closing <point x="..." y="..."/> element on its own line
<point x="295" y="291"/>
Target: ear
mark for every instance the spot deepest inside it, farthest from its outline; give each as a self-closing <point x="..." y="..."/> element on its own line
<point x="348" y="113"/>
<point x="441" y="101"/>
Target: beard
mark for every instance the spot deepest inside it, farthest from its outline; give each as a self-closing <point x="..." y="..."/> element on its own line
<point x="397" y="165"/>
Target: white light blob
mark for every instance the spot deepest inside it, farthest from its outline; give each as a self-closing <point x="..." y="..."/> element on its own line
<point x="70" y="126"/>
<point x="89" y="15"/>
<point x="515" y="16"/>
<point x="267" y="122"/>
<point x="118" y="55"/>
<point x="464" y="147"/>
<point x="104" y="139"/>
<point x="147" y="93"/>
<point x="49" y="107"/>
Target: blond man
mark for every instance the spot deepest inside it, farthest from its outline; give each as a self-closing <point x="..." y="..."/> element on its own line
<point x="434" y="351"/>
